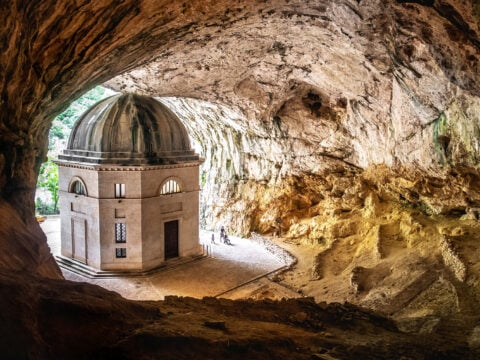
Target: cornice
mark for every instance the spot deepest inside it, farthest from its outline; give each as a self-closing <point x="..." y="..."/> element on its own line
<point x="114" y="167"/>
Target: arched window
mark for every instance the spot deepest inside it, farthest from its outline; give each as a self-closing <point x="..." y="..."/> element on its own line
<point x="170" y="187"/>
<point x="78" y="188"/>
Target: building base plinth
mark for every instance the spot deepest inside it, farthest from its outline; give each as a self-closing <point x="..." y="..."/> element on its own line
<point x="92" y="273"/>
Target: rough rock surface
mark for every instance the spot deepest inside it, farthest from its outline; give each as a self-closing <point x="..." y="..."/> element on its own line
<point x="45" y="319"/>
<point x="357" y="126"/>
<point x="365" y="82"/>
<point x="373" y="240"/>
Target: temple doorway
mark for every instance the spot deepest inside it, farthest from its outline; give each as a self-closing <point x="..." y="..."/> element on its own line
<point x="171" y="239"/>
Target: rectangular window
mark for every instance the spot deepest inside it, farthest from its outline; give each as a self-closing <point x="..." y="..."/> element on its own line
<point x="119" y="190"/>
<point x="120" y="233"/>
<point x="120" y="252"/>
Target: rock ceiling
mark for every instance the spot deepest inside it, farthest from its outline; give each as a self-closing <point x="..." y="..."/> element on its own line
<point x="361" y="81"/>
<point x="321" y="86"/>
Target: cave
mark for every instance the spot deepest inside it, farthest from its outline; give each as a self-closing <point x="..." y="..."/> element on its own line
<point x="350" y="128"/>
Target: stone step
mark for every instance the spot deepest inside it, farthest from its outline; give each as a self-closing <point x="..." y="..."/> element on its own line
<point x="89" y="272"/>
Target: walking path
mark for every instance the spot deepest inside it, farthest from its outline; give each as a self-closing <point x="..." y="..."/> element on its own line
<point x="228" y="267"/>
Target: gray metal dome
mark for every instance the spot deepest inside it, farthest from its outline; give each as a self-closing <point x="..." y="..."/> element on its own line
<point x="129" y="129"/>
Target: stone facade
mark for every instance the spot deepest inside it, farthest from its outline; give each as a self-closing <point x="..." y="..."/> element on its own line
<point x="118" y="216"/>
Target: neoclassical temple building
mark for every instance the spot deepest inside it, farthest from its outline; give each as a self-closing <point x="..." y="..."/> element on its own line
<point x="129" y="187"/>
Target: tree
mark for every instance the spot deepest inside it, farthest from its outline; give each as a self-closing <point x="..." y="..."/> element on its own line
<point x="60" y="131"/>
<point x="48" y="179"/>
<point x="62" y="125"/>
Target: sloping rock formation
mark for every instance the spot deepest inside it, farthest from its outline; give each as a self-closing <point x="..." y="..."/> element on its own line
<point x="39" y="315"/>
<point x="371" y="246"/>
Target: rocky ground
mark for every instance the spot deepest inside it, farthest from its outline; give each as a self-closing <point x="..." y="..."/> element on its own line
<point x="402" y="246"/>
<point x="56" y="319"/>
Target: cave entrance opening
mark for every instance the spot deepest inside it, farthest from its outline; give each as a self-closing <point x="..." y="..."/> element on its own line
<point x="228" y="265"/>
<point x="46" y="195"/>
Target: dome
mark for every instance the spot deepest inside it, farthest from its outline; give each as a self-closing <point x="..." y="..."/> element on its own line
<point x="129" y="129"/>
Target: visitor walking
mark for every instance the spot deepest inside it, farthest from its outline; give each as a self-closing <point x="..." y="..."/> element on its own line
<point x="213" y="238"/>
<point x="222" y="234"/>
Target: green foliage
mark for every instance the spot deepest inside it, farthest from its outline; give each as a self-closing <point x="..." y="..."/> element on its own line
<point x="44" y="208"/>
<point x="63" y="123"/>
<point x="440" y="134"/>
<point x="48" y="179"/>
<point x="59" y="133"/>
<point x="79" y="106"/>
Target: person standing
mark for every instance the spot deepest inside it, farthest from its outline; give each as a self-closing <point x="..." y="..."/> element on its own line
<point x="222" y="234"/>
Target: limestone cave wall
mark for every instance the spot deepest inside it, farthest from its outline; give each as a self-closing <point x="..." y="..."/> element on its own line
<point x="321" y="87"/>
<point x="356" y="123"/>
<point x="356" y="82"/>
<point x="364" y="82"/>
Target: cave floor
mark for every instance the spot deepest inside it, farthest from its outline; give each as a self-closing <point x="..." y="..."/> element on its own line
<point x="229" y="271"/>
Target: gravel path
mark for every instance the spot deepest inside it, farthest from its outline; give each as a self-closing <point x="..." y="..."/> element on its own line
<point x="227" y="266"/>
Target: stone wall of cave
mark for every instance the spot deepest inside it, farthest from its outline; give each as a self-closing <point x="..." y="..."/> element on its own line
<point x="409" y="100"/>
<point x="354" y="121"/>
<point x="319" y="84"/>
<point x="365" y="83"/>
